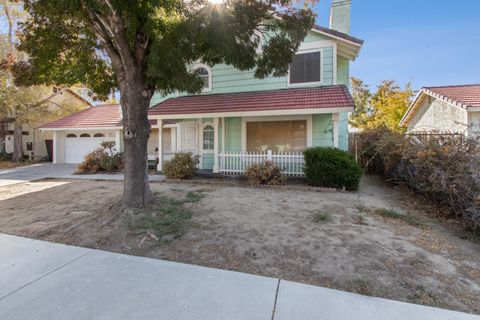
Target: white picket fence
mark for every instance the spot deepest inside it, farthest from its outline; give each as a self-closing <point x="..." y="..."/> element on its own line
<point x="291" y="163"/>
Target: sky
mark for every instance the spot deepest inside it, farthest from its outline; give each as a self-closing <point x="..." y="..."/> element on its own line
<point x="422" y="42"/>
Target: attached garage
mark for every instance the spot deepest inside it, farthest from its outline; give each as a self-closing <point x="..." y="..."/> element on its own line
<point x="78" y="145"/>
<point x="79" y="134"/>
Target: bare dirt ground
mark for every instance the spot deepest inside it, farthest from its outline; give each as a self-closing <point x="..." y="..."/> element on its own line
<point x="331" y="239"/>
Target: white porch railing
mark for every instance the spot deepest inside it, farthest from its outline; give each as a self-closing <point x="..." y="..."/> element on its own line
<point x="291" y="163"/>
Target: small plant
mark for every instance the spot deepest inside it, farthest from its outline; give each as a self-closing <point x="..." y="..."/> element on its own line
<point x="331" y="167"/>
<point x="321" y="217"/>
<point x="104" y="158"/>
<point x="390" y="213"/>
<point x="182" y="166"/>
<point x="266" y="174"/>
<point x="166" y="218"/>
<point x="364" y="287"/>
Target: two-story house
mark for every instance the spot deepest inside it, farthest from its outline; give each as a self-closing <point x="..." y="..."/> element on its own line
<point x="237" y="117"/>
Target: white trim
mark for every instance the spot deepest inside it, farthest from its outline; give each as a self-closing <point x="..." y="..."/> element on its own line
<point x="335" y="121"/>
<point x="200" y="137"/>
<point x="337" y="38"/>
<point x="316" y="83"/>
<point x="81" y="129"/>
<point x="255" y="113"/>
<point x="307" y="118"/>
<point x="215" y="145"/>
<point x="55" y="148"/>
<point x="473" y="109"/>
<point x="160" y="145"/>
<point x="335" y="71"/>
<point x="223" y="134"/>
<point x="210" y="75"/>
<point x="315" y="45"/>
<point x="170" y="125"/>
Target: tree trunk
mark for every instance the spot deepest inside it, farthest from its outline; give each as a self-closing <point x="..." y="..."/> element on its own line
<point x="135" y="102"/>
<point x="17" y="142"/>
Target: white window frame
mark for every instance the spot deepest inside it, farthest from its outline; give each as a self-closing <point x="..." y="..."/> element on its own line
<point x="307" y="118"/>
<point x="209" y="70"/>
<point x="206" y="124"/>
<point x="303" y="84"/>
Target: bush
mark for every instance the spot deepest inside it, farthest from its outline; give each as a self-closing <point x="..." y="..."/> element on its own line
<point x="102" y="159"/>
<point x="266" y="174"/>
<point x="182" y="166"/>
<point x="5" y="156"/>
<point x="443" y="168"/>
<point x="331" y="167"/>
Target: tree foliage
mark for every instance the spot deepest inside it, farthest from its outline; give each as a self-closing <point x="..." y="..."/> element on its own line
<point x="79" y="41"/>
<point x="383" y="108"/>
<point x="146" y="46"/>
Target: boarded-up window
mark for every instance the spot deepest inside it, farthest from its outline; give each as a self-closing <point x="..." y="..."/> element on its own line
<point x="279" y="136"/>
<point x="305" y="67"/>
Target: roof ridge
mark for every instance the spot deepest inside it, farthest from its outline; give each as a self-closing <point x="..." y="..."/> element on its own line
<point x="453" y="86"/>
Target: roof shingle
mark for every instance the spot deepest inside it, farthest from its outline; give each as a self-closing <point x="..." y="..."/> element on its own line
<point x="465" y="95"/>
<point x="336" y="96"/>
<point x="108" y="115"/>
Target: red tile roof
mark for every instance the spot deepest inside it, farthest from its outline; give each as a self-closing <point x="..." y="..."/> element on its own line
<point x="336" y="96"/>
<point x="108" y="115"/>
<point x="463" y="95"/>
<point x="100" y="116"/>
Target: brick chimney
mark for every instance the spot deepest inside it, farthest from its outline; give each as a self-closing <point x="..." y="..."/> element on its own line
<point x="340" y="15"/>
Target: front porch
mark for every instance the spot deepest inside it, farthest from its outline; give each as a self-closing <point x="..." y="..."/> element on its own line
<point x="230" y="132"/>
<point x="231" y="144"/>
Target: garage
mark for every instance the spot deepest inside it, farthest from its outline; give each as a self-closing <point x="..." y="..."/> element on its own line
<point x="78" y="145"/>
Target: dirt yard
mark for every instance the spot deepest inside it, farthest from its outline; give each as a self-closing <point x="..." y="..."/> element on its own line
<point x="357" y="242"/>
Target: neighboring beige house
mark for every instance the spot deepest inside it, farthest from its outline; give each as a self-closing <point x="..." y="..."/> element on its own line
<point x="38" y="145"/>
<point x="446" y="109"/>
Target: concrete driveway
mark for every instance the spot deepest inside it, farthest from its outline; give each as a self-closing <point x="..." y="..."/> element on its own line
<point x="34" y="172"/>
<point x="42" y="280"/>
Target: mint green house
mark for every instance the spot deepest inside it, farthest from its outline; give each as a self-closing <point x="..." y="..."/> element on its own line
<point x="238" y="120"/>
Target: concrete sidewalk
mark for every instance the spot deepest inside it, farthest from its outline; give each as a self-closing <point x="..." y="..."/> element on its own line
<point x="34" y="172"/>
<point x="42" y="280"/>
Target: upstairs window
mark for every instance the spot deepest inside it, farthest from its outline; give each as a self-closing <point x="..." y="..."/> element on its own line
<point x="306" y="68"/>
<point x="204" y="74"/>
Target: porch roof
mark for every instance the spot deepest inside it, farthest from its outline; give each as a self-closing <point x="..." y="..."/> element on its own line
<point x="306" y="99"/>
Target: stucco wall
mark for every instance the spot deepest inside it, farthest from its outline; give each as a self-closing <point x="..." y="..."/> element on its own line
<point x="437" y="115"/>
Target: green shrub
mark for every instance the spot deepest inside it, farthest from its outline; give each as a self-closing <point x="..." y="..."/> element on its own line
<point x="5" y="156"/>
<point x="102" y="159"/>
<point x="331" y="167"/>
<point x="266" y="173"/>
<point x="182" y="166"/>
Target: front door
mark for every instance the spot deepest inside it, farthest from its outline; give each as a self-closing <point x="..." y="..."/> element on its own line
<point x="189" y="140"/>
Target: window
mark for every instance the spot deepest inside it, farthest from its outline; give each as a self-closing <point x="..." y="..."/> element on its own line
<point x="98" y="135"/>
<point x="305" y="68"/>
<point x="71" y="135"/>
<point x="279" y="136"/>
<point x="208" y="137"/>
<point x="204" y="74"/>
<point x="84" y="135"/>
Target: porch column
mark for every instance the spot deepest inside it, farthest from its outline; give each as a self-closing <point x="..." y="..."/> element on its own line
<point x="160" y="145"/>
<point x="55" y="147"/>
<point x="117" y="140"/>
<point x="215" y="145"/>
<point x="335" y="118"/>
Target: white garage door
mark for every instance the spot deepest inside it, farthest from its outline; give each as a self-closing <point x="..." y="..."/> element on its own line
<point x="77" y="147"/>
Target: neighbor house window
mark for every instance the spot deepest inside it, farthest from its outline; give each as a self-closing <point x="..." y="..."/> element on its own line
<point x="84" y="135"/>
<point x="208" y="137"/>
<point x="279" y="136"/>
<point x="71" y="135"/>
<point x="305" y="68"/>
<point x="98" y="135"/>
<point x="204" y="74"/>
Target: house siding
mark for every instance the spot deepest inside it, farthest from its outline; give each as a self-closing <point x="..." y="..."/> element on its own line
<point x="227" y="79"/>
<point x="322" y="130"/>
<point x="207" y="161"/>
<point x="437" y="115"/>
<point x="233" y="134"/>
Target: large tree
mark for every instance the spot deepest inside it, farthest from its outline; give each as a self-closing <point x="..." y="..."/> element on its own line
<point x="145" y="46"/>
